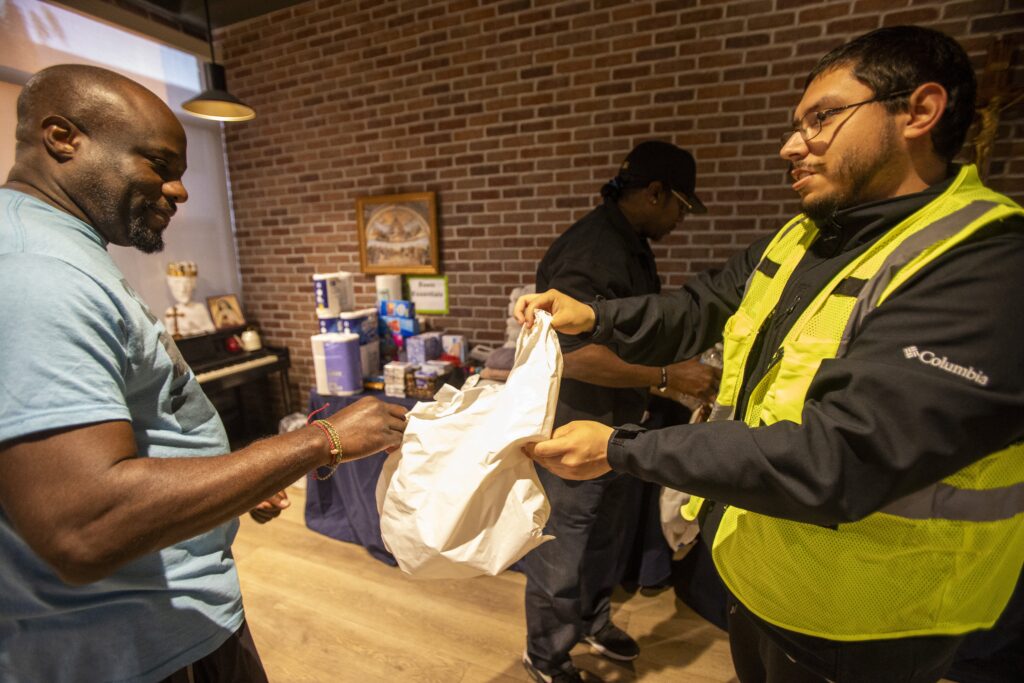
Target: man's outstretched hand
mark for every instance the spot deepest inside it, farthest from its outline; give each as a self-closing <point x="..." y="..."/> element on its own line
<point x="578" y="450"/>
<point x="369" y="426"/>
<point x="567" y="315"/>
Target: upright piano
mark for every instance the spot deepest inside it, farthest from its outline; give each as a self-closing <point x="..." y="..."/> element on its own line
<point x="237" y="382"/>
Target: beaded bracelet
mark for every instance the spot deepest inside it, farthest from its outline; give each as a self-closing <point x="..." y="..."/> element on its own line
<point x="332" y="436"/>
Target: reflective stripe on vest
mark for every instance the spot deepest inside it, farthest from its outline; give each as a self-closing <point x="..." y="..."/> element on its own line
<point x="944" y="228"/>
<point x="943" y="560"/>
<point x="942" y="501"/>
<point x="788" y="245"/>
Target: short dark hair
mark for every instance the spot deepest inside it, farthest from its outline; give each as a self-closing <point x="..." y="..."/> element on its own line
<point x="903" y="57"/>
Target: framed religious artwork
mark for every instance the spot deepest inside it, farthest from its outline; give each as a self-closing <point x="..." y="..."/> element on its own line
<point x="225" y="311"/>
<point x="398" y="233"/>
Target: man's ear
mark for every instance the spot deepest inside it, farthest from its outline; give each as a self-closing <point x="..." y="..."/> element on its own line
<point x="654" y="191"/>
<point x="61" y="137"/>
<point x="927" y="104"/>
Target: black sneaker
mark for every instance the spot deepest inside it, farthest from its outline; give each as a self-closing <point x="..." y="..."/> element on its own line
<point x="567" y="673"/>
<point x="614" y="643"/>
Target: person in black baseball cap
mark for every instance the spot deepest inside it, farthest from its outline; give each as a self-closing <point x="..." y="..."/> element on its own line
<point x="605" y="254"/>
<point x="673" y="167"/>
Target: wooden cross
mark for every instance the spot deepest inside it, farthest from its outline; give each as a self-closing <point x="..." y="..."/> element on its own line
<point x="175" y="314"/>
<point x="994" y="96"/>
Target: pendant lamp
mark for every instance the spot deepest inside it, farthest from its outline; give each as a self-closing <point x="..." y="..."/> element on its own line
<point x="216" y="102"/>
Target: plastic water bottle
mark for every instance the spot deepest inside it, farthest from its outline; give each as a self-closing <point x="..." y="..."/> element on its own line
<point x="713" y="356"/>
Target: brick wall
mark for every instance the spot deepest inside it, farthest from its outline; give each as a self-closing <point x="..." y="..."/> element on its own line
<point x="515" y="113"/>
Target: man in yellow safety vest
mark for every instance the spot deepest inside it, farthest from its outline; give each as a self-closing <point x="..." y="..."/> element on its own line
<point x="863" y="472"/>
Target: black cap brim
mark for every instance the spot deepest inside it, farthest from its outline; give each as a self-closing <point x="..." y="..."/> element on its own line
<point x="696" y="205"/>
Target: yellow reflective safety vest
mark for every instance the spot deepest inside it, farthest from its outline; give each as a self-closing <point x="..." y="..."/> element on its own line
<point x="943" y="560"/>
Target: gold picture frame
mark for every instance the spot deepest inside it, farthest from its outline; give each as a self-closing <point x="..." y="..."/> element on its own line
<point x="225" y="311"/>
<point x="398" y="233"/>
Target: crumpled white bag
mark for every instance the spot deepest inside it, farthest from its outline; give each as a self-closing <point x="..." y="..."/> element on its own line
<point x="459" y="499"/>
<point x="680" y="532"/>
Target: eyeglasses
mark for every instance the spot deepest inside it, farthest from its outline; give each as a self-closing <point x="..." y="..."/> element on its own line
<point x="689" y="208"/>
<point x="810" y="125"/>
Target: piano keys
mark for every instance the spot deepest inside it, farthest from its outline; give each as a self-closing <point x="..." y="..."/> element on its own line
<point x="235" y="368"/>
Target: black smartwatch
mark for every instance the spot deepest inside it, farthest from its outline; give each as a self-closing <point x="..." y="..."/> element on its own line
<point x="626" y="434"/>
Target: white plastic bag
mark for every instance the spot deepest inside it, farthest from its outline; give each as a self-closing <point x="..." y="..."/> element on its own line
<point x="460" y="499"/>
<point x="678" y="532"/>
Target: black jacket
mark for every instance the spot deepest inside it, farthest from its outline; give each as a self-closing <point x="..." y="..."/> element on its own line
<point x="876" y="425"/>
<point x="601" y="255"/>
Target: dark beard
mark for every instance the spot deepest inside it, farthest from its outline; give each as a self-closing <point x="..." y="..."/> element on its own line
<point x="860" y="175"/>
<point x="143" y="238"/>
<point x="823" y="211"/>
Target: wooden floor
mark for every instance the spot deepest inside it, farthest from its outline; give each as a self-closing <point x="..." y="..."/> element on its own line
<point x="321" y="610"/>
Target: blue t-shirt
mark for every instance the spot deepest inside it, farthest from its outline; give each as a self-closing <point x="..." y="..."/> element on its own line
<point x="78" y="346"/>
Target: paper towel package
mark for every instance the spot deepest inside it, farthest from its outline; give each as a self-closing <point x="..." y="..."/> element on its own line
<point x="336" y="364"/>
<point x="459" y="499"/>
<point x="362" y="322"/>
<point x="329" y="325"/>
<point x="388" y="287"/>
<point x="334" y="293"/>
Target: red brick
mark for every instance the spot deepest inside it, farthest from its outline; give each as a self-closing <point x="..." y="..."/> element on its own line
<point x="515" y="112"/>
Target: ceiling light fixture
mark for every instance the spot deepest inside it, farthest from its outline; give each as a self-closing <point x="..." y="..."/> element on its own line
<point x="216" y="102"/>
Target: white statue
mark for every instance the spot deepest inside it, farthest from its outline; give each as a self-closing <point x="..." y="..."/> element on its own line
<point x="185" y="318"/>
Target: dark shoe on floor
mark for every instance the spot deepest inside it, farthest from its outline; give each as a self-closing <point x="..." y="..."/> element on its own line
<point x="566" y="674"/>
<point x="614" y="643"/>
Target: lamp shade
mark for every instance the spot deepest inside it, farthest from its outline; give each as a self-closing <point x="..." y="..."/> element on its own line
<point x="216" y="102"/>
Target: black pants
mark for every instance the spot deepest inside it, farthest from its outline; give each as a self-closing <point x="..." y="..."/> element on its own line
<point x="763" y="653"/>
<point x="236" y="661"/>
<point x="569" y="580"/>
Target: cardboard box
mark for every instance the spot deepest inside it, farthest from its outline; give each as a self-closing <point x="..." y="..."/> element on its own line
<point x="398" y="308"/>
<point x="455" y="345"/>
<point x="406" y="327"/>
<point x="423" y="347"/>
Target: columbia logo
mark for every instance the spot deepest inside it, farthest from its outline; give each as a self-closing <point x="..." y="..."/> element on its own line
<point x="944" y="364"/>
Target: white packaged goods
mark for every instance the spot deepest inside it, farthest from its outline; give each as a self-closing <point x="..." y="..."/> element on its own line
<point x="398" y="378"/>
<point x="334" y="293"/>
<point x="336" y="364"/>
<point x="388" y="287"/>
<point x="444" y="366"/>
<point x="362" y="322"/>
<point x="460" y="499"/>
